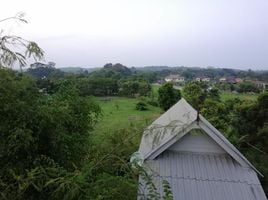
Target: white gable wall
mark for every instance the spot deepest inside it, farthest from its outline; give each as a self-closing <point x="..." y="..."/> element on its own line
<point x="197" y="143"/>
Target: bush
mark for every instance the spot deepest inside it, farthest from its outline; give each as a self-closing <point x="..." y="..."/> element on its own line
<point x="153" y="103"/>
<point x="141" y="106"/>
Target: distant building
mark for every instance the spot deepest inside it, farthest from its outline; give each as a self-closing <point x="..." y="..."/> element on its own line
<point x="230" y="79"/>
<point x="174" y="78"/>
<point x="202" y="79"/>
<point x="239" y="80"/>
<point x="222" y="79"/>
<point x="184" y="149"/>
<point x="260" y="84"/>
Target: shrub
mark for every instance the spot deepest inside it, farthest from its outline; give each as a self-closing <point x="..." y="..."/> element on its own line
<point x="141" y="106"/>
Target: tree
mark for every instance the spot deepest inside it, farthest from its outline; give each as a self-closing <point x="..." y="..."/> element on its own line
<point x="194" y="94"/>
<point x="168" y="96"/>
<point x="248" y="87"/>
<point x="250" y="124"/>
<point x="213" y="93"/>
<point x="15" y="49"/>
<point x="215" y="112"/>
<point x="44" y="139"/>
<point x="135" y="87"/>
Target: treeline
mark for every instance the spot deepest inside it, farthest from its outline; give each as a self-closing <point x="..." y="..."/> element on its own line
<point x="111" y="80"/>
<point x="212" y="72"/>
<point x="154" y="73"/>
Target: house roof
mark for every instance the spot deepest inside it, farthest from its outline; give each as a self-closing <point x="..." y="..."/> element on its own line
<point x="203" y="176"/>
<point x="196" y="159"/>
<point x="176" y="123"/>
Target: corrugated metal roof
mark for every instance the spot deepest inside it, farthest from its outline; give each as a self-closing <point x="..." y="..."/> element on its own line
<point x="195" y="176"/>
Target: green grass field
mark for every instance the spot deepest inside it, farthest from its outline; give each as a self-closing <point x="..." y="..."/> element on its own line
<point x="120" y="112"/>
<point x="229" y="95"/>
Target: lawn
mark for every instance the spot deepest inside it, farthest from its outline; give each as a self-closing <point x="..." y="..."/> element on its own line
<point x="155" y="88"/>
<point x="244" y="96"/>
<point x="120" y="112"/>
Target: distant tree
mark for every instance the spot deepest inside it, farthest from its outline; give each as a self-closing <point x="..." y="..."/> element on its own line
<point x="168" y="96"/>
<point x="97" y="86"/>
<point x="248" y="87"/>
<point x="115" y="71"/>
<point x="41" y="70"/>
<point x="194" y="94"/>
<point x="188" y="75"/>
<point x="132" y="87"/>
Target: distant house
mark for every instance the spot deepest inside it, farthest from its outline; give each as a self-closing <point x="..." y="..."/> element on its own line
<point x="264" y="86"/>
<point x="202" y="78"/>
<point x="174" y="78"/>
<point x="260" y="84"/>
<point x="223" y="79"/>
<point x="230" y="79"/>
<point x="197" y="161"/>
<point x="239" y="80"/>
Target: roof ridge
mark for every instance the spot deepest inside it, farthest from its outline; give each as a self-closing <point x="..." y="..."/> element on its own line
<point x="210" y="180"/>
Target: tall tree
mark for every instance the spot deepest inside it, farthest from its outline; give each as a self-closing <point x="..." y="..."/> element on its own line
<point x="194" y="94"/>
<point x="168" y="96"/>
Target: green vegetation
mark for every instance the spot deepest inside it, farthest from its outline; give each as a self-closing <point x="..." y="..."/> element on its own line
<point x="120" y="112"/>
<point x="168" y="96"/>
<point x="66" y="136"/>
<point x="60" y="143"/>
<point x="227" y="95"/>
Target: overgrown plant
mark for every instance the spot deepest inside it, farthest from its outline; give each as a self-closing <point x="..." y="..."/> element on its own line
<point x="15" y="49"/>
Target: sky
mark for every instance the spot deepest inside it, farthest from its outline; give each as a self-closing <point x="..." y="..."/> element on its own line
<point x="90" y="33"/>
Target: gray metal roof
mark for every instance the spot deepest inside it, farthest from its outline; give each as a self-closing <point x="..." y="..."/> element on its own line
<point x="205" y="177"/>
<point x="211" y="173"/>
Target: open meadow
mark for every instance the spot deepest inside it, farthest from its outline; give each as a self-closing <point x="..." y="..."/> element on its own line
<point x="120" y="113"/>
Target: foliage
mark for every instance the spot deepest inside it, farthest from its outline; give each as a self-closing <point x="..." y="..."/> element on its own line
<point x="116" y="71"/>
<point x="194" y="94"/>
<point x="141" y="106"/>
<point x="44" y="71"/>
<point x="44" y="138"/>
<point x="248" y="87"/>
<point x="245" y="123"/>
<point x="15" y="49"/>
<point x="168" y="96"/>
<point x="216" y="112"/>
<point x="135" y="87"/>
<point x="52" y="148"/>
<point x="97" y="86"/>
<point x="225" y="96"/>
<point x="214" y="93"/>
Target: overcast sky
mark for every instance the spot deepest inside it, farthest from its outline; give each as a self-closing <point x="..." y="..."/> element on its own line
<point x="90" y="33"/>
